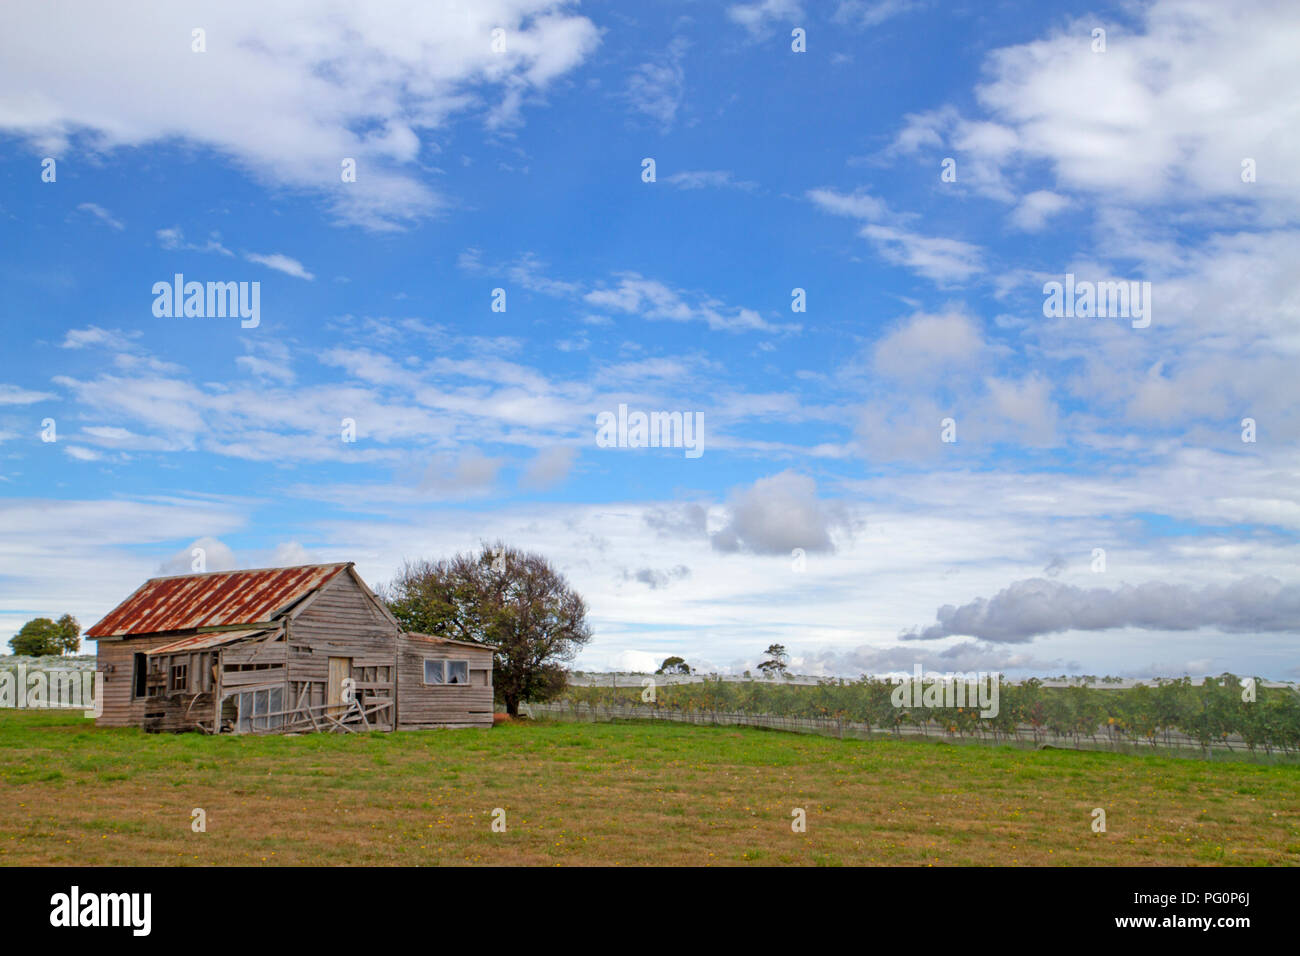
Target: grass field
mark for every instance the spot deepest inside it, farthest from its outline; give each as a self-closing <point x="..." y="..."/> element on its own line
<point x="623" y="793"/>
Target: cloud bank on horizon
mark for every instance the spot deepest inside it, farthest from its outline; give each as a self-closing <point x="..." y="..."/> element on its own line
<point x="475" y="228"/>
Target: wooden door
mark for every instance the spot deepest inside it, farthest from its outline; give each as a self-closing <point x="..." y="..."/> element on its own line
<point x="340" y="668"/>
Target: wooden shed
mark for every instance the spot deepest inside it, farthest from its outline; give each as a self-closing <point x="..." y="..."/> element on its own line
<point x="281" y="650"/>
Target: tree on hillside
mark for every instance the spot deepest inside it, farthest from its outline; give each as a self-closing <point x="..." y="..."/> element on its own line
<point x="515" y="602"/>
<point x="775" y="665"/>
<point x="674" y="665"/>
<point x="41" y="637"/>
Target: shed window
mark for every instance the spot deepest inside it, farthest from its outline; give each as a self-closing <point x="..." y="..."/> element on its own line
<point x="256" y="705"/>
<point x="446" y="672"/>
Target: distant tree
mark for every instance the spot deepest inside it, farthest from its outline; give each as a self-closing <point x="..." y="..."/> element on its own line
<point x="514" y="602"/>
<point x="37" y="638"/>
<point x="775" y="665"/>
<point x="68" y="638"/>
<point x="674" y="665"/>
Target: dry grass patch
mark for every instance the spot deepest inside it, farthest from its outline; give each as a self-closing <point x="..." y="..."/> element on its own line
<point x="623" y="794"/>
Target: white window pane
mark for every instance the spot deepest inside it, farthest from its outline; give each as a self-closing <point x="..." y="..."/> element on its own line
<point x="433" y="672"/>
<point x="458" y="672"/>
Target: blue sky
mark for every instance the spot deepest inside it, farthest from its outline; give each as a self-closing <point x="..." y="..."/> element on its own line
<point x="826" y="511"/>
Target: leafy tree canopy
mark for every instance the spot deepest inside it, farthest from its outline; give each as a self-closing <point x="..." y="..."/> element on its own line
<point x="41" y="637"/>
<point x="515" y="602"/>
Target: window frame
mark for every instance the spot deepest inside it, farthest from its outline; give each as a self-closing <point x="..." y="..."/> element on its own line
<point x="178" y="676"/>
<point x="443" y="663"/>
<point x="245" y="721"/>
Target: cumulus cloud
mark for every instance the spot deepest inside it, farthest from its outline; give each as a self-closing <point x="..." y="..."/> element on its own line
<point x="1022" y="410"/>
<point x="217" y="556"/>
<point x="925" y="345"/>
<point x="285" y="91"/>
<point x="1154" y="122"/>
<point x="290" y="554"/>
<point x="1154" y="125"/>
<point x="1036" y="208"/>
<point x="1036" y="607"/>
<point x="778" y="514"/>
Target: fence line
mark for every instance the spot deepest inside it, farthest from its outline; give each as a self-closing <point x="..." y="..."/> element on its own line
<point x="857" y="730"/>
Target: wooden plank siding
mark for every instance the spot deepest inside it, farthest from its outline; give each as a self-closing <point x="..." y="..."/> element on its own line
<point x="116" y="664"/>
<point x="446" y="705"/>
<point x="342" y="619"/>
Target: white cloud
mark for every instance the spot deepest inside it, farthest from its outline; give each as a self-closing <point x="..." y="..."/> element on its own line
<point x="284" y="91"/>
<point x="267" y="359"/>
<point x="84" y="556"/>
<point x="652" y="299"/>
<point x="174" y="238"/>
<point x="870" y="13"/>
<point x="708" y="179"/>
<point x="16" y="395"/>
<point x="759" y="16"/>
<point x="926" y="345"/>
<point x="657" y="87"/>
<point x="215" y="555"/>
<point x="102" y="214"/>
<point x="1146" y="120"/>
<point x="467" y="475"/>
<point x="549" y="468"/>
<point x="290" y="554"/>
<point x="858" y="205"/>
<point x="1036" y="208"/>
<point x="776" y="515"/>
<point x="943" y="261"/>
<point x="281" y="263"/>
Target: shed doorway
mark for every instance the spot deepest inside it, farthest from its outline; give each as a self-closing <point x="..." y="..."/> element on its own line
<point x="340" y="669"/>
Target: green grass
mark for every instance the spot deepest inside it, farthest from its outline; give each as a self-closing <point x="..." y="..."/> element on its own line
<point x="618" y="793"/>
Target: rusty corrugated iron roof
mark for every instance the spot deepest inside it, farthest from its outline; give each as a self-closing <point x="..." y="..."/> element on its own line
<point x="201" y="642"/>
<point x="434" y="638"/>
<point x="191" y="601"/>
